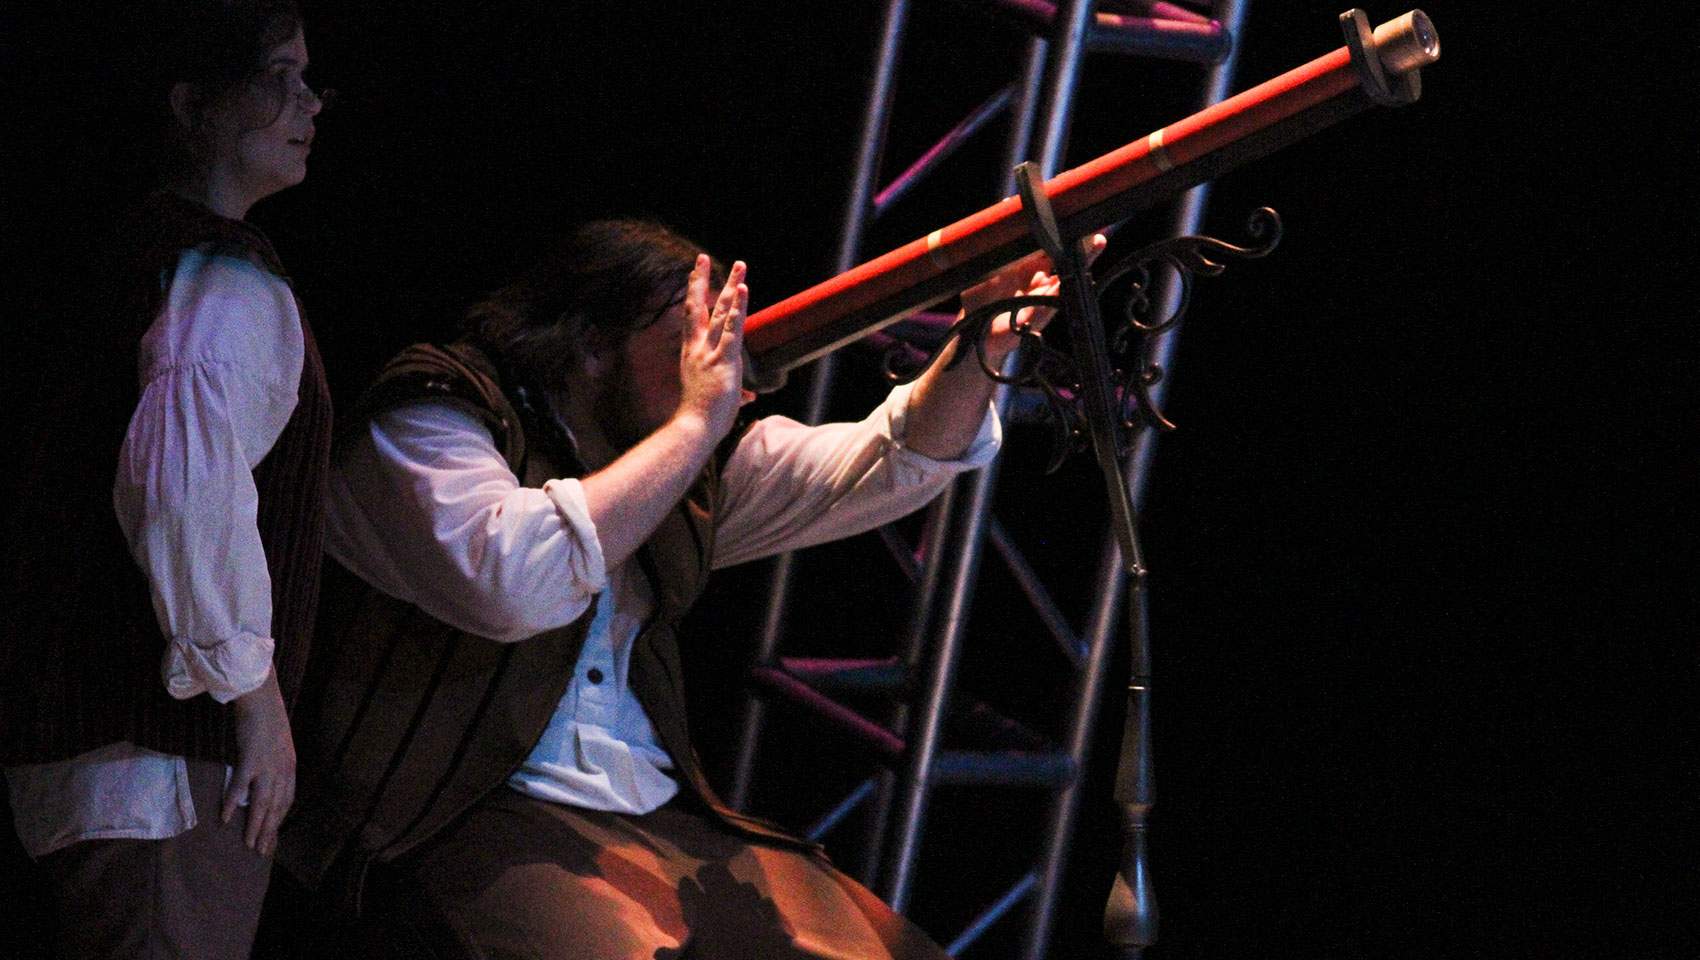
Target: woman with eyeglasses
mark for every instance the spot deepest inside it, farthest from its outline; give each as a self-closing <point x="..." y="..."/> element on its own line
<point x="162" y="567"/>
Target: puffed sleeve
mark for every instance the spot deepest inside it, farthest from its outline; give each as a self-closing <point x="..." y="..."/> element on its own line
<point x="423" y="507"/>
<point x="788" y="486"/>
<point x="219" y="371"/>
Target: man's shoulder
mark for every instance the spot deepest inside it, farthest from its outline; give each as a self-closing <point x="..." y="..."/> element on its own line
<point x="426" y="371"/>
<point x="455" y="374"/>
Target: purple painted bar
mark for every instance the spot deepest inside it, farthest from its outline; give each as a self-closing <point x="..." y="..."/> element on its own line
<point x="946" y="146"/>
<point x="873" y="736"/>
<point x="1167" y="30"/>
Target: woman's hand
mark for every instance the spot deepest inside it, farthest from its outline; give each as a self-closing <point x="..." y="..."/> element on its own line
<point x="264" y="777"/>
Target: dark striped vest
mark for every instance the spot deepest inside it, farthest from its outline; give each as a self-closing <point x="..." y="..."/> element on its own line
<point x="408" y="721"/>
<point x="80" y="645"/>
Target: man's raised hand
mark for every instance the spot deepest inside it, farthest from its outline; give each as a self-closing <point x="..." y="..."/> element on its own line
<point x="711" y="358"/>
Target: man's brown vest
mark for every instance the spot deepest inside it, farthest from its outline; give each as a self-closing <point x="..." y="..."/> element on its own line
<point x="409" y="721"/>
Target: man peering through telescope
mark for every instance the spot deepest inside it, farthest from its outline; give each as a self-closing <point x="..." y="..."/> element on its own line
<point x="526" y="514"/>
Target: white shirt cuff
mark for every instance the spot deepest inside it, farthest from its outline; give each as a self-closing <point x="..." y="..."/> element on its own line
<point x="224" y="669"/>
<point x="911" y="467"/>
<point x="589" y="569"/>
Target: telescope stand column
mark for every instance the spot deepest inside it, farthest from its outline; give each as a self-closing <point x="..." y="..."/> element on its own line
<point x="1130" y="914"/>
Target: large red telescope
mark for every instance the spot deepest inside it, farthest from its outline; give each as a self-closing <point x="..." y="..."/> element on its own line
<point x="1373" y="67"/>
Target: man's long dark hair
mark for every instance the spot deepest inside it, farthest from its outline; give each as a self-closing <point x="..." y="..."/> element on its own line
<point x="598" y="284"/>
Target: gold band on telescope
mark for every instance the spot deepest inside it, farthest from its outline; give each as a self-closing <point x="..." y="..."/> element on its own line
<point x="934" y="253"/>
<point x="1158" y="153"/>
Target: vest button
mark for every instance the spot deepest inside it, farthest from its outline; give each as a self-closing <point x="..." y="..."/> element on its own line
<point x="594" y="675"/>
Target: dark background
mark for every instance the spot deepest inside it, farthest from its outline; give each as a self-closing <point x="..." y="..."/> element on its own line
<point x="1421" y="550"/>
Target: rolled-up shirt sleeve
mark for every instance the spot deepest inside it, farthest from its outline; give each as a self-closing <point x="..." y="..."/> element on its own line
<point x="788" y="486"/>
<point x="423" y="507"/>
<point x="219" y="371"/>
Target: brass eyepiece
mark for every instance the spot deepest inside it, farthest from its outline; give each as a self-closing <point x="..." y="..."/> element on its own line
<point x="1407" y="43"/>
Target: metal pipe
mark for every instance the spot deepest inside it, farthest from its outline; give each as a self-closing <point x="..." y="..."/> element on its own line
<point x="992" y="914"/>
<point x="1007" y="768"/>
<point x="832" y="818"/>
<point x="1033" y="588"/>
<point x="882" y="676"/>
<point x="876" y="119"/>
<point x="1019" y="144"/>
<point x="1161" y="30"/>
<point x="882" y="92"/>
<point x="940" y="514"/>
<point x="1163" y="39"/>
<point x="968" y="534"/>
<point x="1062" y="78"/>
<point x="905" y="556"/>
<point x="871" y="736"/>
<point x="915" y="783"/>
<point x="947" y="145"/>
<point x="937" y="528"/>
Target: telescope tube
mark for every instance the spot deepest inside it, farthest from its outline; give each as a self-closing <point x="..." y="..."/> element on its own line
<point x="1099" y="192"/>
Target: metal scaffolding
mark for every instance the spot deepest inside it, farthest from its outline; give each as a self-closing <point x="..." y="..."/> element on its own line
<point x="960" y="524"/>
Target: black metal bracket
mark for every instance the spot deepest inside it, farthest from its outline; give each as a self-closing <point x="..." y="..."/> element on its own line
<point x="1188" y="257"/>
<point x="1053" y="372"/>
<point x="1095" y="375"/>
<point x="1101" y="391"/>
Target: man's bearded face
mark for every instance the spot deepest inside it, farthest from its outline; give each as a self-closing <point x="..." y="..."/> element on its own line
<point x="641" y="393"/>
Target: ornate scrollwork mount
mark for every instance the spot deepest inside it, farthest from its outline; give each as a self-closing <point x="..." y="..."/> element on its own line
<point x="1101" y="391"/>
<point x="1132" y="341"/>
<point x="1187" y="257"/>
